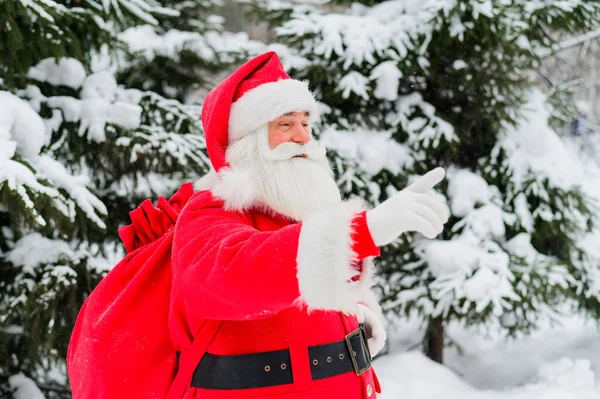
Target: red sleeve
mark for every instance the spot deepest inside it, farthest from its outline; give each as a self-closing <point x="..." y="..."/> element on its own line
<point x="362" y="241"/>
<point x="228" y="270"/>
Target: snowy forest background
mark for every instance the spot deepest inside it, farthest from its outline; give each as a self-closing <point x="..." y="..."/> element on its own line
<point x="99" y="110"/>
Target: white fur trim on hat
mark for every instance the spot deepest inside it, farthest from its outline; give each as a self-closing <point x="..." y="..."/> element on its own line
<point x="325" y="259"/>
<point x="268" y="102"/>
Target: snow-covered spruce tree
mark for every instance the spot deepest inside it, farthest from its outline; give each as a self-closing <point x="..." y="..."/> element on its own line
<point x="409" y="85"/>
<point x="33" y="30"/>
<point x="77" y="152"/>
<point x="178" y="56"/>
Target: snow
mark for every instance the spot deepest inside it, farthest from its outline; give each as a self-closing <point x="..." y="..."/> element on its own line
<point x="21" y="128"/>
<point x="209" y="45"/>
<point x="540" y="153"/>
<point x="373" y="150"/>
<point x="470" y="270"/>
<point x="588" y="148"/>
<point x="354" y="82"/>
<point x="138" y="8"/>
<point x="62" y="72"/>
<point x="495" y="362"/>
<point x="556" y="362"/>
<point x="101" y="84"/>
<point x="478" y="204"/>
<point x="92" y="116"/>
<point x="125" y="115"/>
<point x="589" y="265"/>
<point x="39" y="10"/>
<point x="355" y="39"/>
<point x="19" y="178"/>
<point x="24" y="388"/>
<point x="289" y="58"/>
<point x="465" y="190"/>
<point x="99" y="106"/>
<point x="387" y="77"/>
<point x="568" y="373"/>
<point x="459" y="64"/>
<point x="485" y="222"/>
<point x="468" y="273"/>
<point x="76" y="186"/>
<point x="101" y="262"/>
<point x="520" y="246"/>
<point x="102" y="102"/>
<point x="523" y="212"/>
<point x="366" y="36"/>
<point x="148" y="185"/>
<point x="457" y="28"/>
<point x="484" y="8"/>
<point x="423" y="379"/>
<point x="23" y="131"/>
<point x="138" y="11"/>
<point x="474" y="268"/>
<point x="412" y="376"/>
<point x="423" y="132"/>
<point x="131" y="96"/>
<point x="34" y="250"/>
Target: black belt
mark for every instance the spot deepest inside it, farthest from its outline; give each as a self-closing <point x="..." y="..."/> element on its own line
<point x="266" y="369"/>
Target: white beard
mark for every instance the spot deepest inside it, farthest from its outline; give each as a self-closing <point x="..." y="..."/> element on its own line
<point x="294" y="187"/>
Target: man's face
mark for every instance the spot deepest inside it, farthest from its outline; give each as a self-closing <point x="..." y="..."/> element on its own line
<point x="291" y="127"/>
<point x="288" y="167"/>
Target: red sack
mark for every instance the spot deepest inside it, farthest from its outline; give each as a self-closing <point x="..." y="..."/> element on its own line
<point x="120" y="346"/>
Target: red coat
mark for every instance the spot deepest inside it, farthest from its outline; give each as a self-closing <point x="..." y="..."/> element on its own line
<point x="274" y="282"/>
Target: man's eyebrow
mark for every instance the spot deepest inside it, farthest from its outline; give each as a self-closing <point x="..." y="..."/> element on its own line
<point x="293" y="112"/>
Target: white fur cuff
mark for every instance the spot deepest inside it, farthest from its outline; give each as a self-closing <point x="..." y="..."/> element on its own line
<point x="325" y="259"/>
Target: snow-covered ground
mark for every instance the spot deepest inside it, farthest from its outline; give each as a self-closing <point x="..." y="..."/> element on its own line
<point x="559" y="362"/>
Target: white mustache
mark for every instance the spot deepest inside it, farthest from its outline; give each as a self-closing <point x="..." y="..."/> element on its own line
<point x="286" y="151"/>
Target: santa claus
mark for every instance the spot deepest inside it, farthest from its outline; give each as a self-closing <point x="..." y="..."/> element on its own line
<point x="272" y="270"/>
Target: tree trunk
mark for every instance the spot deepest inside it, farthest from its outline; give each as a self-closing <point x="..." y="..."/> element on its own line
<point x="433" y="342"/>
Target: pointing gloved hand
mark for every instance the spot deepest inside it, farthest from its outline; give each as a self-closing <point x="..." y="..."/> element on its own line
<point x="412" y="209"/>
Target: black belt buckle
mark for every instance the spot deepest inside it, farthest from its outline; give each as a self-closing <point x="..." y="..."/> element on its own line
<point x="359" y="332"/>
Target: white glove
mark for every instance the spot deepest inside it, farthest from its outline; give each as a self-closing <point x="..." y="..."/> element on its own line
<point x="374" y="325"/>
<point x="412" y="209"/>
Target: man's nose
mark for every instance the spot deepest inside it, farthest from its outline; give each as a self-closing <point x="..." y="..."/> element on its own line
<point x="301" y="135"/>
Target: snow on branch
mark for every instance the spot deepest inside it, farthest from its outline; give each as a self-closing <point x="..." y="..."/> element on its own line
<point x="564" y="45"/>
<point x="23" y="133"/>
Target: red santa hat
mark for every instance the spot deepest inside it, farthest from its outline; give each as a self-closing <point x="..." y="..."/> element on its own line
<point x="255" y="94"/>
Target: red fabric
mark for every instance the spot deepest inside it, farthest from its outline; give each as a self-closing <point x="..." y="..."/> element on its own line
<point x="149" y="223"/>
<point x="188" y="358"/>
<point x="271" y="71"/>
<point x="216" y="108"/>
<point x="362" y="241"/>
<point x="241" y="267"/>
<point x="120" y="346"/>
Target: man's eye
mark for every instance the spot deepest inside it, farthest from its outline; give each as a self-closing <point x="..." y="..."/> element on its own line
<point x="285" y="124"/>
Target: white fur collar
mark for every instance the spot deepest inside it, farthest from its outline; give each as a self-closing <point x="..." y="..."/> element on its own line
<point x="235" y="187"/>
